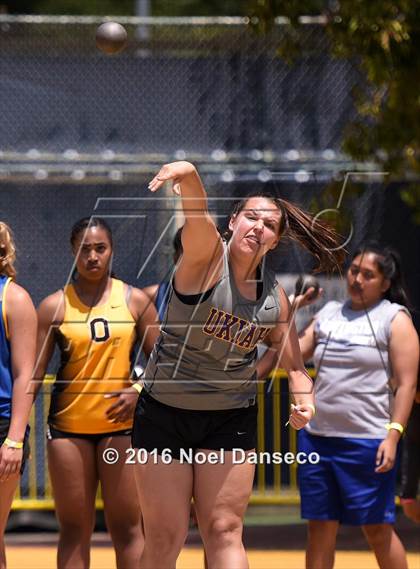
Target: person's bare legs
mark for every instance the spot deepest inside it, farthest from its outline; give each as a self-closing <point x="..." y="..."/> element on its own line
<point x="412" y="510"/>
<point x="74" y="478"/>
<point x="121" y="503"/>
<point x="7" y="491"/>
<point x="386" y="544"/>
<point x="221" y="495"/>
<point x="320" y="550"/>
<point x="165" y="492"/>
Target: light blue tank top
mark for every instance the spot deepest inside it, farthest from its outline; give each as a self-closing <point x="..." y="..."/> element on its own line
<point x="6" y="377"/>
<point x="353" y="395"/>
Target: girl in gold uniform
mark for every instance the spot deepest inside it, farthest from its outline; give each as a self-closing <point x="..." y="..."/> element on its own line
<point x="95" y="321"/>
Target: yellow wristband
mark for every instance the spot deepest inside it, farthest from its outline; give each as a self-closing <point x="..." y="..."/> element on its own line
<point x="396" y="426"/>
<point x="137" y="387"/>
<point x="13" y="444"/>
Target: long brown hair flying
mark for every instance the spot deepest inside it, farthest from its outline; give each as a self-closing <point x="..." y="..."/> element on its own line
<point x="316" y="236"/>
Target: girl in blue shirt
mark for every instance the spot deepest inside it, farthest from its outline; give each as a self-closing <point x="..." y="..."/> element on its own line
<point x="18" y="324"/>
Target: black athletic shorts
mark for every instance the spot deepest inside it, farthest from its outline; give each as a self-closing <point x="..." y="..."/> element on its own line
<point x="158" y="426"/>
<point x="4" y="429"/>
<point x="53" y="433"/>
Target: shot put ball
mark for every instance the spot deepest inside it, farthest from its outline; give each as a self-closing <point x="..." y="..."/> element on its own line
<point x="111" y="37"/>
<point x="305" y="282"/>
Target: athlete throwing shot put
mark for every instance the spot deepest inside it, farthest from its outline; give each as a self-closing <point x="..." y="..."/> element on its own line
<point x="200" y="382"/>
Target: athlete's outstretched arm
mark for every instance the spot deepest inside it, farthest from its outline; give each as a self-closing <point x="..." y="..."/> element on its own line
<point x="285" y="341"/>
<point x="202" y="245"/>
<point x="21" y="323"/>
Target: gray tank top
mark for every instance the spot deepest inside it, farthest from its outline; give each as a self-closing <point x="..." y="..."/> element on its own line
<point x="206" y="353"/>
<point x="353" y="396"/>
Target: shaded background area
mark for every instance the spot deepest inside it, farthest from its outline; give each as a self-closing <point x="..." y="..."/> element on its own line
<point x="190" y="87"/>
<point x="42" y="216"/>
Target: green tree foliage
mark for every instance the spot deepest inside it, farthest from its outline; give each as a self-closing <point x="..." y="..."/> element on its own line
<point x="384" y="38"/>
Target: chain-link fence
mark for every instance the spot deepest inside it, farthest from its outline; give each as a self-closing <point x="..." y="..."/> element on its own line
<point x="80" y="126"/>
<point x="177" y="87"/>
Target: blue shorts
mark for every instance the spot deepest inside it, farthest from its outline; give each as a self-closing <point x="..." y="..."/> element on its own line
<point x="343" y="485"/>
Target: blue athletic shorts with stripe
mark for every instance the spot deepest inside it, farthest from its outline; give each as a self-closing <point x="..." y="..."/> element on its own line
<point x="343" y="485"/>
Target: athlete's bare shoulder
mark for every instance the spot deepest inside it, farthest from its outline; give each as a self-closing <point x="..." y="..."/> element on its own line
<point x="19" y="307"/>
<point x="139" y="300"/>
<point x="151" y="291"/>
<point x="17" y="294"/>
<point x="51" y="309"/>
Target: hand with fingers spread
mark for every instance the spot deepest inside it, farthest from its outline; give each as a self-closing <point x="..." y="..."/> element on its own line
<point x="175" y="171"/>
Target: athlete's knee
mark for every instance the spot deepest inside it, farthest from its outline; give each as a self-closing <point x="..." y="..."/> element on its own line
<point x="74" y="532"/>
<point x="377" y="534"/>
<point x="412" y="511"/>
<point x="225" y="529"/>
<point x="165" y="538"/>
<point x="320" y="531"/>
<point x="124" y="535"/>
